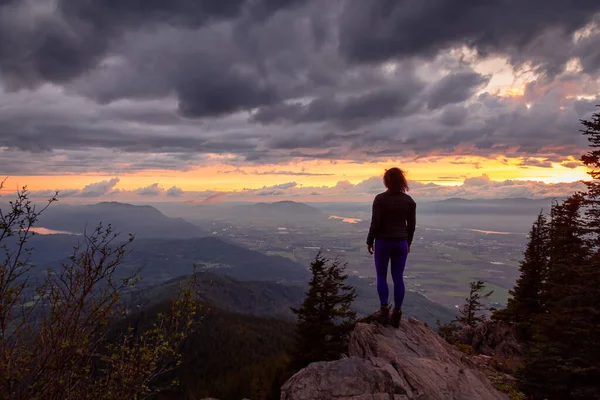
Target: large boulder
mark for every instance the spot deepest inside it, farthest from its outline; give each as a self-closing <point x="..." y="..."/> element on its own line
<point x="411" y="362"/>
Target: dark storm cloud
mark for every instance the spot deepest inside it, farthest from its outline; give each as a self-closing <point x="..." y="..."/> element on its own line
<point x="44" y="137"/>
<point x="453" y="115"/>
<point x="588" y="50"/>
<point x="311" y="140"/>
<point x="158" y="84"/>
<point x="111" y="15"/>
<point x="40" y="41"/>
<point x="108" y="15"/>
<point x="352" y="111"/>
<point x="375" y="31"/>
<point x="42" y="132"/>
<point x="545" y="130"/>
<point x="534" y="162"/>
<point x="224" y="94"/>
<point x="214" y="70"/>
<point x="454" y="88"/>
<point x="572" y="164"/>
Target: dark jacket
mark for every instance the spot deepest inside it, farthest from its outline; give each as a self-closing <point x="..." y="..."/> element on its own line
<point x="394" y="217"/>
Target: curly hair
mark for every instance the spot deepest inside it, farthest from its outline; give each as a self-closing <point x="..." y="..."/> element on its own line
<point x="395" y="181"/>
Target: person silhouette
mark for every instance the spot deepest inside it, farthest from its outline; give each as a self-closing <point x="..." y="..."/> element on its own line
<point x="391" y="233"/>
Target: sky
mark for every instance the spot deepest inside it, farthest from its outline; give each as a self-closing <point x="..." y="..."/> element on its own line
<point x="206" y="100"/>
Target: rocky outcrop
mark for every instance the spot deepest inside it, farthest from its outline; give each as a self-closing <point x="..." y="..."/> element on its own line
<point x="411" y="362"/>
<point x="492" y="338"/>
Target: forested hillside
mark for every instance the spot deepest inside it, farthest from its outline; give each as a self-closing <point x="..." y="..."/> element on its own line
<point x="271" y="299"/>
<point x="230" y="356"/>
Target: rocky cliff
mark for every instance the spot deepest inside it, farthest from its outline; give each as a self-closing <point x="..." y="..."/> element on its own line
<point x="411" y="362"/>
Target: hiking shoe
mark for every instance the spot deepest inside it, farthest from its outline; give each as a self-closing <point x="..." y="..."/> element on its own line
<point x="396" y="317"/>
<point x="383" y="315"/>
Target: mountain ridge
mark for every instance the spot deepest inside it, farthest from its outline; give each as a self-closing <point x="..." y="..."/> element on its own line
<point x="271" y="299"/>
<point x="142" y="221"/>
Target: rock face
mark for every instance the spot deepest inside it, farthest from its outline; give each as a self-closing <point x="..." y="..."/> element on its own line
<point x="492" y="338"/>
<point x="411" y="362"/>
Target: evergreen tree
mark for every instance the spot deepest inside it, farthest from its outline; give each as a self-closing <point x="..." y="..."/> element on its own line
<point x="469" y="313"/>
<point x="325" y="319"/>
<point x="563" y="360"/>
<point x="592" y="160"/>
<point x="526" y="301"/>
<point x="555" y="366"/>
<point x="589" y="315"/>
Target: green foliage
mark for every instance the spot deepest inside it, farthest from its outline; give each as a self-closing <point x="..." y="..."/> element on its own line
<point x="510" y="389"/>
<point x="499" y="373"/>
<point x="562" y="360"/>
<point x="259" y="298"/>
<point x="273" y="299"/>
<point x="470" y="312"/>
<point x="464" y="348"/>
<point x="555" y="301"/>
<point x="449" y="331"/>
<point x="233" y="356"/>
<point x="325" y="318"/>
<point x="55" y="334"/>
<point x="526" y="301"/>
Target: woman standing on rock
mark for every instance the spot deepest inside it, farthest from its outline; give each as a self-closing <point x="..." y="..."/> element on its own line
<point x="391" y="233"/>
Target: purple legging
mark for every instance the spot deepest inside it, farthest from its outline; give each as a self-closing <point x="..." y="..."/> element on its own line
<point x="395" y="251"/>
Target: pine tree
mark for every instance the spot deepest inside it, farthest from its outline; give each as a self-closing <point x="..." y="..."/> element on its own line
<point x="325" y="318"/>
<point x="589" y="315"/>
<point x="526" y="301"/>
<point x="558" y="302"/>
<point x="555" y="365"/>
<point x="469" y="313"/>
<point x="592" y="160"/>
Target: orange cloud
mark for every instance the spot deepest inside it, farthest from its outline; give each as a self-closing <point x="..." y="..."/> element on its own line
<point x="312" y="177"/>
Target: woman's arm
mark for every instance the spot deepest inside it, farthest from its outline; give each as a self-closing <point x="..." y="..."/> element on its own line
<point x="373" y="229"/>
<point x="411" y="222"/>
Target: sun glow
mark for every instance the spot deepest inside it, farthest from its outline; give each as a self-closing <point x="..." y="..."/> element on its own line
<point x="512" y="91"/>
<point x="446" y="171"/>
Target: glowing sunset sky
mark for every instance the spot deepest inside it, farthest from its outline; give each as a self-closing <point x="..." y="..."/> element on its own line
<point x="301" y="99"/>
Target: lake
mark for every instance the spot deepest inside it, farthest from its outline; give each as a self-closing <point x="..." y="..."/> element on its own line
<point x="346" y="219"/>
<point x="45" y="231"/>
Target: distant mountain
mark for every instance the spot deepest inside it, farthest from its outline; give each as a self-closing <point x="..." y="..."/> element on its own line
<point x="163" y="259"/>
<point x="282" y="207"/>
<point x="281" y="211"/>
<point x="142" y="221"/>
<point x="504" y="200"/>
<point x="267" y="299"/>
<point x="503" y="206"/>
